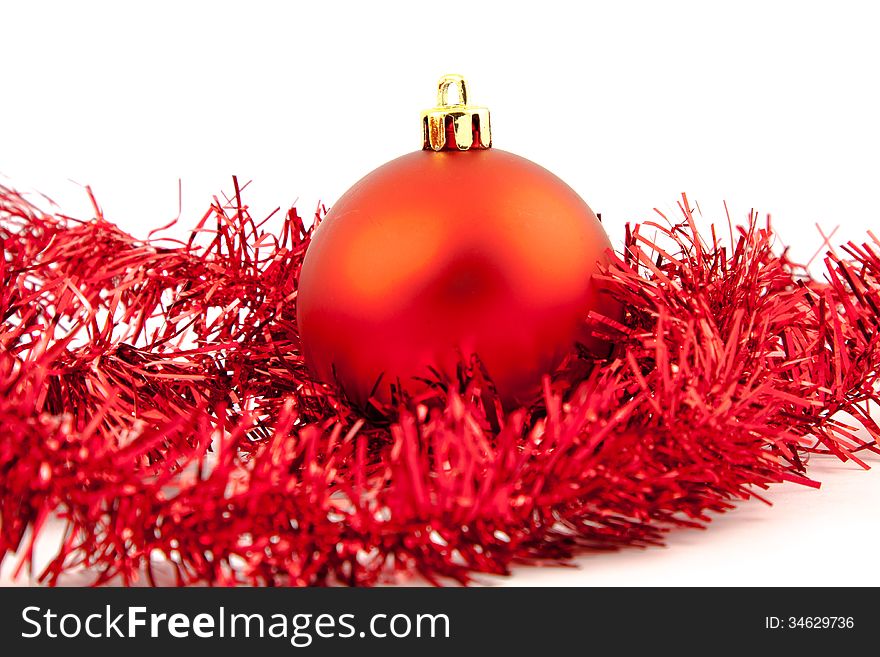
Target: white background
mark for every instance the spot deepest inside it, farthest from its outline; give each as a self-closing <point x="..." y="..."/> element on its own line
<point x="769" y="105"/>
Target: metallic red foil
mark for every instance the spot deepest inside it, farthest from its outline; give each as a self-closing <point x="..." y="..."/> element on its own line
<point x="153" y="395"/>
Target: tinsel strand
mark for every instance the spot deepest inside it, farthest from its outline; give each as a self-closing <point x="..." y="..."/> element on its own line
<point x="153" y="396"/>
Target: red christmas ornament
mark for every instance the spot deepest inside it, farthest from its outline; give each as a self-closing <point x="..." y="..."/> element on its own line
<point x="454" y="250"/>
<point x="231" y="463"/>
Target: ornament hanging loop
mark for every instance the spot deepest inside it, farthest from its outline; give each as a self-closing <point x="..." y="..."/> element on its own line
<point x="455" y="126"/>
<point x="445" y="83"/>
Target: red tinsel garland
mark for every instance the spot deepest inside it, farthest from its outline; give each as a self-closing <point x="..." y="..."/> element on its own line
<point x="154" y="397"/>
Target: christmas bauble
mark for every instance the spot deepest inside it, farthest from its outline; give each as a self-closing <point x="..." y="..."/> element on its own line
<point x="454" y="250"/>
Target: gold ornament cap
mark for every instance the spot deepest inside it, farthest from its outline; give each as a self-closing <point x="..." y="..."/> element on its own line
<point x="455" y="126"/>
